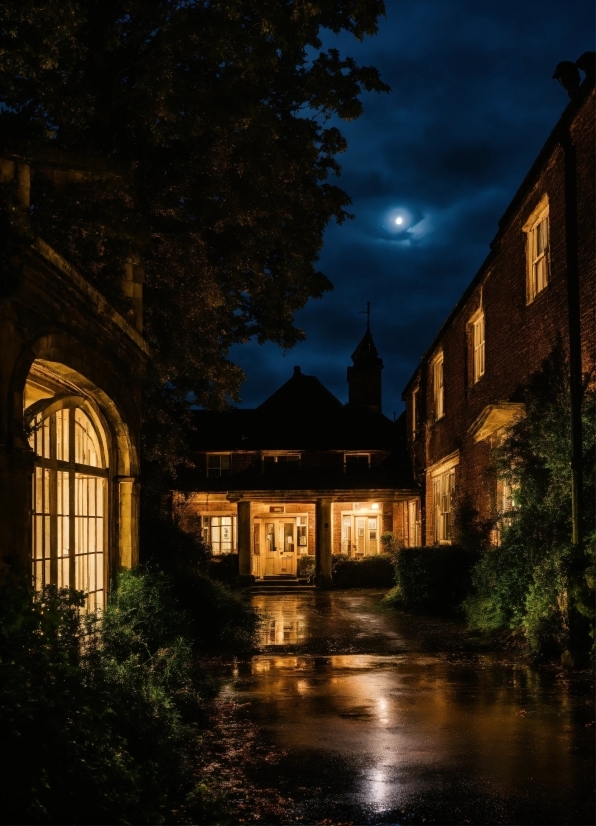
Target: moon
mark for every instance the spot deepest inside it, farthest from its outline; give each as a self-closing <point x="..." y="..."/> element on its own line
<point x="399" y="220"/>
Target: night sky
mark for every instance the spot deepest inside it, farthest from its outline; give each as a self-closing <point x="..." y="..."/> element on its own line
<point x="472" y="102"/>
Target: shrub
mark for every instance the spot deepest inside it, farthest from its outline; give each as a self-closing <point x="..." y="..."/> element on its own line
<point x="219" y="621"/>
<point x="224" y="569"/>
<point x="306" y="566"/>
<point x="369" y="572"/>
<point x="535" y="582"/>
<point x="434" y="579"/>
<point x="64" y="759"/>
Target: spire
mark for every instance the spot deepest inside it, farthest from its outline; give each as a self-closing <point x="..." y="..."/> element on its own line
<point x="364" y="378"/>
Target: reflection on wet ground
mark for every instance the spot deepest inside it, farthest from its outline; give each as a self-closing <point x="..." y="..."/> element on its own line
<point x="361" y="716"/>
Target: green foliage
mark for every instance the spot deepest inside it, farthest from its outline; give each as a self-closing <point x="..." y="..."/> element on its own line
<point x="306" y="565"/>
<point x="225" y="569"/>
<point x="390" y="543"/>
<point x="433" y="579"/>
<point x="64" y="758"/>
<point x="216" y="120"/>
<point x="534" y="582"/>
<point x="102" y="717"/>
<point x="368" y="572"/>
<point x="219" y="621"/>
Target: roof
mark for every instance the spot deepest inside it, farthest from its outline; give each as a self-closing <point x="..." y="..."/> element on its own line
<point x="366" y="352"/>
<point x="557" y="134"/>
<point x="302" y="415"/>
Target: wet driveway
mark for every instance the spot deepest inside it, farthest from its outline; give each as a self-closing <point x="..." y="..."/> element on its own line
<point x="349" y="714"/>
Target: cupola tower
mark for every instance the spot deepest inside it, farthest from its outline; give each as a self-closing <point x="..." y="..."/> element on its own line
<point x="364" y="377"/>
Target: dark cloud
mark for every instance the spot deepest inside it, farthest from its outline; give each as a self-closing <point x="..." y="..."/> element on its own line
<point x="472" y="102"/>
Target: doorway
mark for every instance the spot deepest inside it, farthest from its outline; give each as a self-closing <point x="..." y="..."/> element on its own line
<point x="279" y="545"/>
<point x="359" y="535"/>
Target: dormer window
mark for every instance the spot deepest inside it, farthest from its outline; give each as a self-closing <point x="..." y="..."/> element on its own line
<point x="219" y="464"/>
<point x="279" y="462"/>
<point x="356" y="461"/>
<point x="538" y="251"/>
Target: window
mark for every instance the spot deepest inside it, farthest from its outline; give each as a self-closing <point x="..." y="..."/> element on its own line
<point x="413" y="523"/>
<point x="220" y="533"/>
<point x="443" y="489"/>
<point x="415" y="411"/>
<point x="69" y="499"/>
<point x="478" y="346"/>
<point x="438" y="388"/>
<point x="353" y="462"/>
<point x="274" y="463"/>
<point x="219" y="464"/>
<point x="537" y="230"/>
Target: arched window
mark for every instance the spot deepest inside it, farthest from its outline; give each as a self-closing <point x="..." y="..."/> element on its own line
<point x="69" y="501"/>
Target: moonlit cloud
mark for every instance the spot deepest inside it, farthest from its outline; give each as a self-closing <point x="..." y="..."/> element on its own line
<point x="472" y="102"/>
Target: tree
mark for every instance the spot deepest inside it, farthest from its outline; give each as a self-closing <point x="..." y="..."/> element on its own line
<point x="219" y="112"/>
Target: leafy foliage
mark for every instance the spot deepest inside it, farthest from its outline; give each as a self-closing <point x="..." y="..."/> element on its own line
<point x="102" y="717"/>
<point x="534" y="582"/>
<point x="219" y="621"/>
<point x="215" y="118"/>
<point x="369" y="572"/>
<point x="433" y="579"/>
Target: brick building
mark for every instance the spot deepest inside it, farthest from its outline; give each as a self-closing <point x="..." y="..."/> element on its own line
<point x="302" y="475"/>
<point x="536" y="286"/>
<point x="70" y="390"/>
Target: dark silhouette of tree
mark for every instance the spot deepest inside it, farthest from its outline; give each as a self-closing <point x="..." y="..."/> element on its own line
<point x="222" y="117"/>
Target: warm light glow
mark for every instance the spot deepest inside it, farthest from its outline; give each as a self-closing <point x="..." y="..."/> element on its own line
<point x="375" y="507"/>
<point x="399" y="220"/>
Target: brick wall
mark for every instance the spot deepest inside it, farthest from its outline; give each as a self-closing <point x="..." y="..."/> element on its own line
<point x="518" y="335"/>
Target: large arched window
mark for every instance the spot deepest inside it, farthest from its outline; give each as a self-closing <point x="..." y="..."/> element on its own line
<point x="69" y="503"/>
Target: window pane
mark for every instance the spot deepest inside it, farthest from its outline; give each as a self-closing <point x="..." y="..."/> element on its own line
<point x="87" y="449"/>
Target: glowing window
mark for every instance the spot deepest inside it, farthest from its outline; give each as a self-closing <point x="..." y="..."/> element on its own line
<point x="537" y="245"/>
<point x="69" y="504"/>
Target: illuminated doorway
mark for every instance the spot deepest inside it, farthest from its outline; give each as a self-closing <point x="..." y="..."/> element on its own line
<point x="359" y="535"/>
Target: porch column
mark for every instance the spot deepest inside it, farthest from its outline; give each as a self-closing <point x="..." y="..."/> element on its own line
<point x="323" y="543"/>
<point x="128" y="521"/>
<point x="244" y="542"/>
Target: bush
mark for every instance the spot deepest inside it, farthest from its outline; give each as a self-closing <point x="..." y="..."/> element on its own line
<point x="306" y="566"/>
<point x="64" y="760"/>
<point x="219" y="621"/>
<point x="369" y="572"/>
<point x="224" y="569"/>
<point x="433" y="579"/>
<point x="535" y="583"/>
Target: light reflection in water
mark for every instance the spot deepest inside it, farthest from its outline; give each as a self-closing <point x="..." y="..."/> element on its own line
<point x="405" y="719"/>
<point x="281" y="623"/>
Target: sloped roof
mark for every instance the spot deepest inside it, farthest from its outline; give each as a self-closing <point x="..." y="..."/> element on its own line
<point x="366" y="350"/>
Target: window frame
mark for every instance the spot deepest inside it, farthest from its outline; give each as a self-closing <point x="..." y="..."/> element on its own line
<point x="218" y="455"/>
<point x="438" y="388"/>
<point x="478" y="345"/>
<point x="356" y="453"/>
<point x="64" y="479"/>
<point x="415" y="412"/>
<point x="289" y="459"/>
<point x="537" y="277"/>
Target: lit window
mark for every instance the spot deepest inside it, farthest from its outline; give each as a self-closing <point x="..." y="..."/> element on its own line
<point x="478" y="344"/>
<point x="438" y="387"/>
<point x="69" y="527"/>
<point x="279" y="462"/>
<point x="219" y="464"/>
<point x="220" y="533"/>
<point x="356" y="461"/>
<point x="537" y="231"/>
<point x="443" y="488"/>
